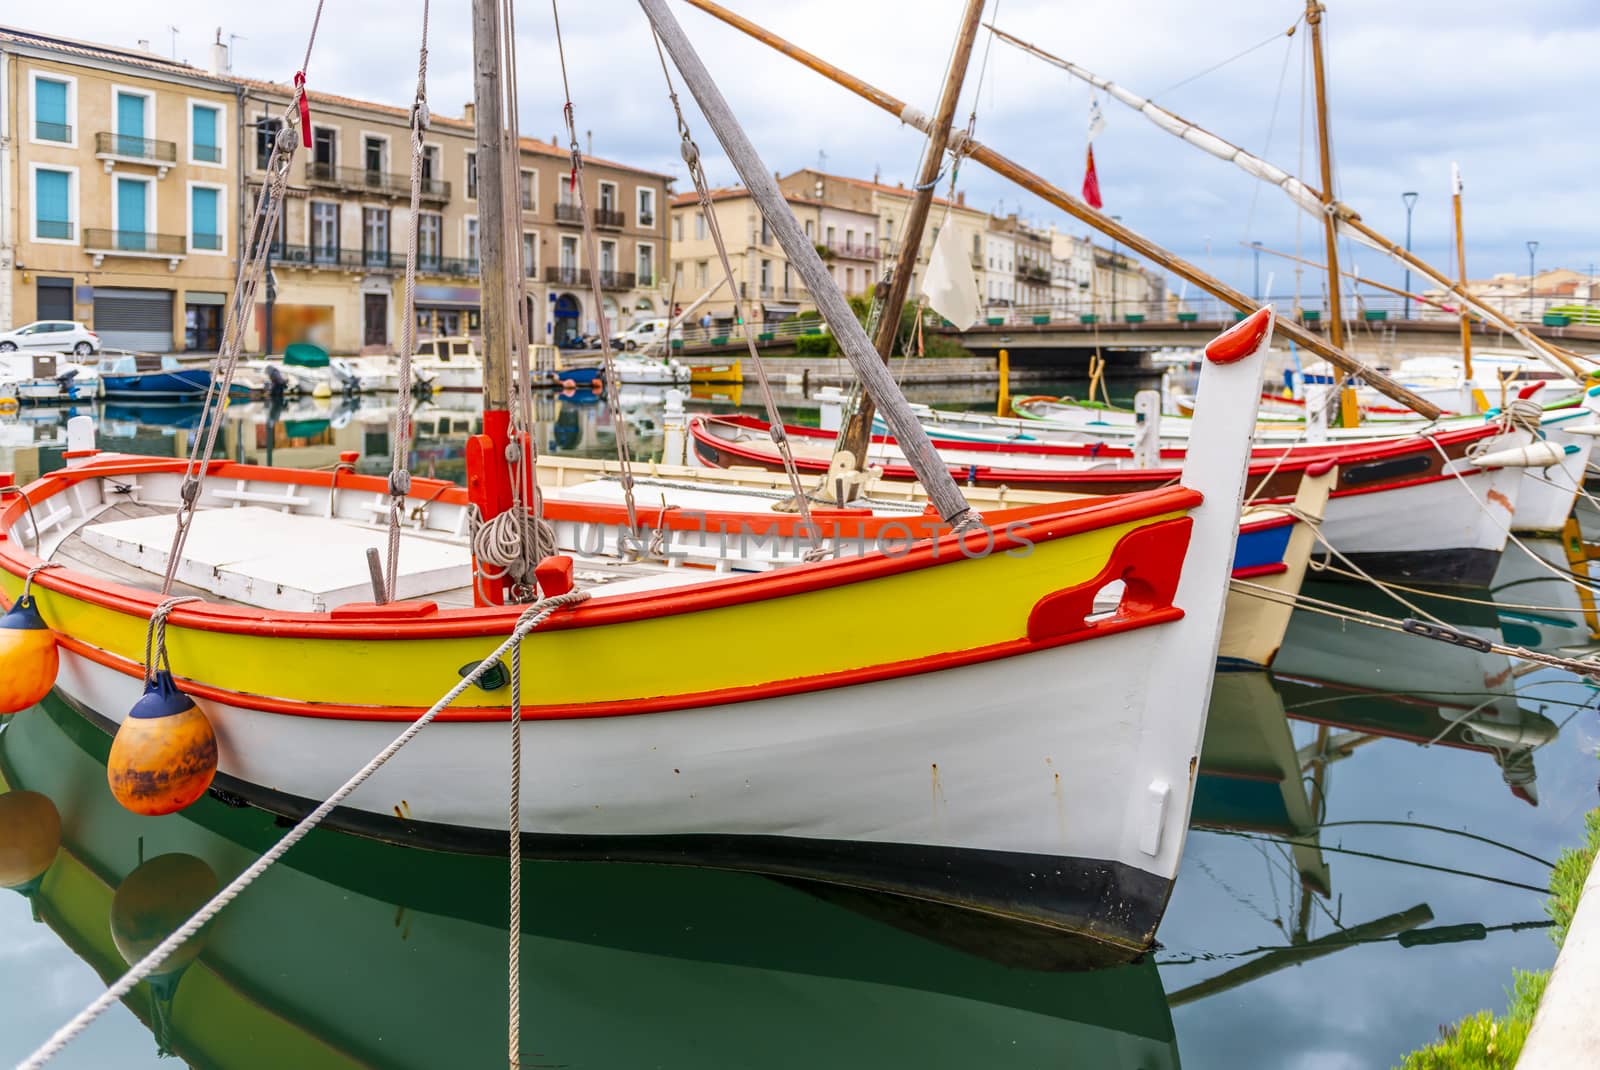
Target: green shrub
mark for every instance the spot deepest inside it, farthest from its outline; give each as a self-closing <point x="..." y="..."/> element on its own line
<point x="1567" y="879"/>
<point x="814" y="345"/>
<point x="1482" y="1041"/>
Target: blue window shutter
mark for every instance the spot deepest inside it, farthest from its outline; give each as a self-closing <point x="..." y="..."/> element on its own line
<point x="50" y="102"/>
<point x="205" y="128"/>
<point x="203" y="216"/>
<point x="51" y="189"/>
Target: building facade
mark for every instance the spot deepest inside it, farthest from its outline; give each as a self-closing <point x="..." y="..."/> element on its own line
<point x="117" y="184"/>
<point x="340" y="253"/>
<point x="767" y="283"/>
<point x="127" y="182"/>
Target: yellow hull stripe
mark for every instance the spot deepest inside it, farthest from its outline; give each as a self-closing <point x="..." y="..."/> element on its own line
<point x="961" y="605"/>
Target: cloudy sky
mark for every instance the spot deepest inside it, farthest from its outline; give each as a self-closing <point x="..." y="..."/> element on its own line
<point x="1506" y="89"/>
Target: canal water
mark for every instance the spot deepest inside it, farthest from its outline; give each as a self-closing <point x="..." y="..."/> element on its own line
<point x="1372" y="835"/>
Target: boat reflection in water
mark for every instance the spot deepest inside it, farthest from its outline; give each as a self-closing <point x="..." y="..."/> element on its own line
<point x="352" y="953"/>
<point x="1369" y="683"/>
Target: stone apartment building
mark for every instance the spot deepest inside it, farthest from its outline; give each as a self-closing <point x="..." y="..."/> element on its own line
<point x="341" y="252"/>
<point x="768" y="285"/>
<point x="117" y="191"/>
<point x="126" y="180"/>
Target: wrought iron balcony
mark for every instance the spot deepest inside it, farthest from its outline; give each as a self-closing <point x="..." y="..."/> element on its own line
<point x="101" y="243"/>
<point x="311" y="256"/>
<point x="124" y="147"/>
<point x="206" y="153"/>
<point x="646" y="280"/>
<point x="567" y="276"/>
<point x="56" y="229"/>
<point x="567" y="212"/>
<point x="607" y="217"/>
<point x="43" y="131"/>
<point x="616" y="280"/>
<point x="647" y="220"/>
<point x="853" y="250"/>
<point x="359" y="179"/>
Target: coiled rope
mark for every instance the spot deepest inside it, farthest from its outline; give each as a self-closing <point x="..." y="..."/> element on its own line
<point x="500" y="543"/>
<point x="530" y="619"/>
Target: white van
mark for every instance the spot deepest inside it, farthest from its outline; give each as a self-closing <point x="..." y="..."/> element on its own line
<point x="642" y="335"/>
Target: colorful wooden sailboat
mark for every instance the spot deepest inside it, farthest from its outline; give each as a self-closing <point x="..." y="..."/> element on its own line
<point x="635" y="762"/>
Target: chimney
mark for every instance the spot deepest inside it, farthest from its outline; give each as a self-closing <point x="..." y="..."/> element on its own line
<point x="219" y="55"/>
<point x="961" y="197"/>
<point x="469" y="112"/>
<point x="588" y="142"/>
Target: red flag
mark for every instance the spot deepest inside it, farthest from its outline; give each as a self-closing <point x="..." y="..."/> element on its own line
<point x="1091" y="184"/>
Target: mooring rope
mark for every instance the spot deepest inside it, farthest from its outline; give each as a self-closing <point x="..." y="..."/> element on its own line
<point x="155" y="636"/>
<point x="514" y="824"/>
<point x="530" y="619"/>
<point x="27" y="581"/>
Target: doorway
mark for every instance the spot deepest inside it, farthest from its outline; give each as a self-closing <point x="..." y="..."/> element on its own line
<point x="376" y="315"/>
<point x="566" y="317"/>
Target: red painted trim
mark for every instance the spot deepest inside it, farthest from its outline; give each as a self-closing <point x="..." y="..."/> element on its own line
<point x="1024" y="528"/>
<point x="1264" y="458"/>
<point x="1274" y="568"/>
<point x="1267" y="523"/>
<point x="1242" y="339"/>
<point x="630" y="707"/>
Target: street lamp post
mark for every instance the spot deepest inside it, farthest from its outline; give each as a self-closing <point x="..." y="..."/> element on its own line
<point x="1256" y="246"/>
<point x="1410" y="199"/>
<point x="1114" y="255"/>
<point x="1533" y="247"/>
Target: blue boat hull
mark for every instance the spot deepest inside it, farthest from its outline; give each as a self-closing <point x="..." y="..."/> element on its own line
<point x="188" y="383"/>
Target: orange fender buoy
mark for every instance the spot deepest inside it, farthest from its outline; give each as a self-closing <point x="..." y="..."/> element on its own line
<point x="29" y="659"/>
<point x="165" y="752"/>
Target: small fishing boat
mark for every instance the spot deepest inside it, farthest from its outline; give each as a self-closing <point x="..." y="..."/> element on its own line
<point x="647" y="371"/>
<point x="1401" y="508"/>
<point x="45" y="379"/>
<point x="718" y="372"/>
<point x="147" y="377"/>
<point x="666" y="756"/>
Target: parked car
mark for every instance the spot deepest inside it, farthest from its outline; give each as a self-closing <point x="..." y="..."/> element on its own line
<point x="64" y="336"/>
<point x="642" y="335"/>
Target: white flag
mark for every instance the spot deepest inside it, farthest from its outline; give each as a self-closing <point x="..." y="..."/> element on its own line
<point x="1097" y="121"/>
<point x="949" y="285"/>
<point x="1455" y="178"/>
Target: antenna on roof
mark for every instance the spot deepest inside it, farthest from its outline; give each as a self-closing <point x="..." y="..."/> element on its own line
<point x="232" y="37"/>
<point x="822" y="160"/>
<point x="174" y="30"/>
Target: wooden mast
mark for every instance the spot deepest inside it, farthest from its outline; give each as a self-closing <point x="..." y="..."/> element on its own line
<point x="1325" y="158"/>
<point x="943" y="492"/>
<point x="858" y="434"/>
<point x="488" y="471"/>
<point x="1033" y="183"/>
<point x="1461" y="270"/>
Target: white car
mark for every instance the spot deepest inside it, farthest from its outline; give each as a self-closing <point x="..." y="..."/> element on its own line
<point x="63" y="336"/>
<point x="642" y="335"/>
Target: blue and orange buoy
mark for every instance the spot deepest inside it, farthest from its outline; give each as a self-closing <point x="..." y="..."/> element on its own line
<point x="28" y="657"/>
<point x="165" y="753"/>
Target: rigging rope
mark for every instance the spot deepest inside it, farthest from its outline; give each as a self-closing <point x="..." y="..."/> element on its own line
<point x="591" y="250"/>
<point x="400" y="440"/>
<point x="530" y="619"/>
<point x="241" y="310"/>
<point x="780" y="438"/>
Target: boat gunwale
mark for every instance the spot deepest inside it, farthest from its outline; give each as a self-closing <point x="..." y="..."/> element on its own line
<point x="1023" y="532"/>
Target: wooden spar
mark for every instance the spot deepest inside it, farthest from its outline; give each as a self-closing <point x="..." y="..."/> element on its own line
<point x="858" y="434"/>
<point x="1330" y="224"/>
<point x="491" y="210"/>
<point x="942" y="490"/>
<point x="1307" y="197"/>
<point x="1353" y="277"/>
<point x="1461" y="270"/>
<point x="1001" y="165"/>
